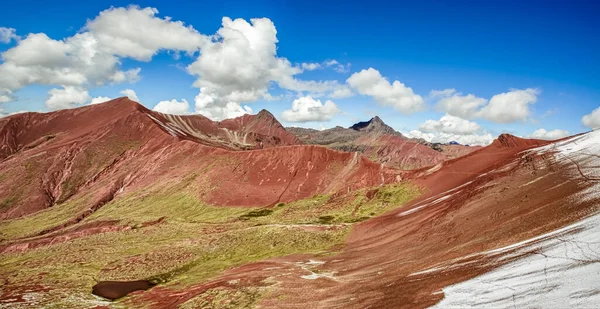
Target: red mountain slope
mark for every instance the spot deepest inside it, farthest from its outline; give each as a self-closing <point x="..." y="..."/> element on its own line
<point x="96" y="152"/>
<point x="492" y="208"/>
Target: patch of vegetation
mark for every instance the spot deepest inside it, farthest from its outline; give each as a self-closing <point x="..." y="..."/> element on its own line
<point x="193" y="244"/>
<point x="326" y="219"/>
<point x="257" y="213"/>
<point x="35" y="223"/>
<point x="350" y="208"/>
<point x="176" y="205"/>
<point x="221" y="298"/>
<point x="7" y="202"/>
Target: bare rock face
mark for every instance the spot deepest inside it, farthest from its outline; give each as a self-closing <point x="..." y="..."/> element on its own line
<point x="375" y="125"/>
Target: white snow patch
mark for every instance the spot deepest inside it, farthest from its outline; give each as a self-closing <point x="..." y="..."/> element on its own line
<point x="314" y="262"/>
<point x="314" y="276"/>
<point x="307" y="266"/>
<point x="564" y="273"/>
<point x="561" y="269"/>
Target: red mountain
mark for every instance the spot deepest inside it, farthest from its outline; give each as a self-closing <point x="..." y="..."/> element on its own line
<point x="161" y="211"/>
<point x="97" y="150"/>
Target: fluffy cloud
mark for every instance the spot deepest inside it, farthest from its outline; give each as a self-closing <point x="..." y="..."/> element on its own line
<point x="172" y="107"/>
<point x="137" y="33"/>
<point x="510" y="106"/>
<point x="74" y="62"/>
<point x="98" y="100"/>
<point x="91" y="57"/>
<point x="67" y="97"/>
<point x="550" y="135"/>
<point x="126" y="92"/>
<point x="505" y="107"/>
<point x="592" y="120"/>
<point x="216" y="109"/>
<point x="307" y="109"/>
<point x="450" y="124"/>
<point x="239" y="65"/>
<point x="456" y="104"/>
<point x="465" y="139"/>
<point x="370" y="82"/>
<point x="4" y="98"/>
<point x="130" y="94"/>
<point x="7" y="35"/>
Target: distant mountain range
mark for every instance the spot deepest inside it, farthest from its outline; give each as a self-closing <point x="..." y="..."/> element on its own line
<point x="381" y="143"/>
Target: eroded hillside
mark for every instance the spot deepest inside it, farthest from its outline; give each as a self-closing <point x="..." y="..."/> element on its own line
<point x="196" y="213"/>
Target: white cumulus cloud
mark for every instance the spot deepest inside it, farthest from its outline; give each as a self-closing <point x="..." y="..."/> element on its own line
<point x="506" y="107"/>
<point x="130" y="94"/>
<point x="510" y="106"/>
<point x="67" y="97"/>
<point x="482" y="139"/>
<point x="98" y="100"/>
<point x="4" y="98"/>
<point x="370" y="82"/>
<point x="305" y="109"/>
<point x="549" y="135"/>
<point x="456" y="104"/>
<point x="92" y="57"/>
<point x="592" y="120"/>
<point x="450" y="124"/>
<point x="137" y="33"/>
<point x="239" y="65"/>
<point x="173" y="107"/>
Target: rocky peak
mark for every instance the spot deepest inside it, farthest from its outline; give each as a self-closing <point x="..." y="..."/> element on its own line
<point x="265" y="114"/>
<point x="266" y="118"/>
<point x="376" y="125"/>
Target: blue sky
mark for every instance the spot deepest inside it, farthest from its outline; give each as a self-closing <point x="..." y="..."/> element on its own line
<point x="484" y="48"/>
